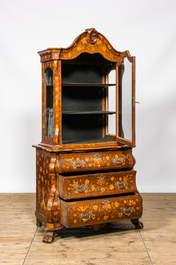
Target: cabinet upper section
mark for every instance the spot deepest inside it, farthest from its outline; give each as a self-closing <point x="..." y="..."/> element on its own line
<point x="88" y="95"/>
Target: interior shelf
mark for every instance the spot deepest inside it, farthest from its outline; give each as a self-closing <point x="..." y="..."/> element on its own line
<point x="87" y="141"/>
<point x="88" y="84"/>
<point x="87" y="112"/>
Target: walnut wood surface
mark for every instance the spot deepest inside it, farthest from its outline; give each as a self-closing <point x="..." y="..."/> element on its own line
<point x="83" y="44"/>
<point x="43" y="181"/>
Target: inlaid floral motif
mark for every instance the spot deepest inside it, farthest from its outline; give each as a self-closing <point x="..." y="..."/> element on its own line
<point x="43" y="180"/>
<point x="92" y="42"/>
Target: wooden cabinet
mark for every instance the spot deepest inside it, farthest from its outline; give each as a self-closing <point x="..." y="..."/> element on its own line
<point x="84" y="163"/>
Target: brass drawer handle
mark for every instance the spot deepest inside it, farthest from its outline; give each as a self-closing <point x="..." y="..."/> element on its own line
<point x="78" y="163"/>
<point x="81" y="188"/>
<point x="121" y="184"/>
<point x="101" y="177"/>
<point x="119" y="160"/>
<point x="85" y="217"/>
<point x="97" y="156"/>
<point x="106" y="202"/>
<point x="128" y="211"/>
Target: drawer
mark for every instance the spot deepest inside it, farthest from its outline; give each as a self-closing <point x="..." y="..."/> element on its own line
<point x="72" y="187"/>
<point x="76" y="162"/>
<point x="90" y="212"/>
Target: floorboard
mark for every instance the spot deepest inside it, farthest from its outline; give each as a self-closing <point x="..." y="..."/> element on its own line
<point x="21" y="242"/>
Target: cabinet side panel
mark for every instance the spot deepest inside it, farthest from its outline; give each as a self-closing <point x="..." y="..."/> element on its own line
<point x="43" y="184"/>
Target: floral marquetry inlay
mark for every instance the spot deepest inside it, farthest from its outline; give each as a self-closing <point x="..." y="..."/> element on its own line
<point x="43" y="180"/>
<point x="98" y="47"/>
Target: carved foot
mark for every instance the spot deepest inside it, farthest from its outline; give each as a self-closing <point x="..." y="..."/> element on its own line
<point x="49" y="236"/>
<point x="96" y="228"/>
<point x="38" y="223"/>
<point x="138" y="224"/>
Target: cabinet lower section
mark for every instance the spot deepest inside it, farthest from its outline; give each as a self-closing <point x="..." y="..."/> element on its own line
<point x="89" y="198"/>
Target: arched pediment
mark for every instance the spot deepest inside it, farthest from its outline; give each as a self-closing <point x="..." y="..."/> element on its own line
<point x="90" y="42"/>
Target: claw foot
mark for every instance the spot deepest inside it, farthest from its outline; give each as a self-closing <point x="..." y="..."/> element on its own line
<point x="49" y="236"/>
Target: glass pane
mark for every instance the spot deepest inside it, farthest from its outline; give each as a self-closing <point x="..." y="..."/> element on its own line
<point x="49" y="102"/>
<point x="127" y="100"/>
<point x="112" y="103"/>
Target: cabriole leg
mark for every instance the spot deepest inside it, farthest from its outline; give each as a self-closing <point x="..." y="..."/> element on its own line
<point x="51" y="232"/>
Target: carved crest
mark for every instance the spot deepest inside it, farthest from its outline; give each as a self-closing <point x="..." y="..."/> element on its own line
<point x="91" y="35"/>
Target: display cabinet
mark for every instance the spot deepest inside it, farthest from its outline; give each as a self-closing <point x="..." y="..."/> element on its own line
<point x="84" y="163"/>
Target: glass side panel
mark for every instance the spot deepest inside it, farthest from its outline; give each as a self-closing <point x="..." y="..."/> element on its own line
<point x="127" y="100"/>
<point x="49" y="102"/>
<point x="112" y="103"/>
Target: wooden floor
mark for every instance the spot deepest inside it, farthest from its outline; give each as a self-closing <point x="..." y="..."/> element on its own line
<point x="119" y="243"/>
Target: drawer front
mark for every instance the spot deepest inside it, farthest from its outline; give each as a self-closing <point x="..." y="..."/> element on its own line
<point x="76" y="162"/>
<point x="89" y="212"/>
<point x="72" y="187"/>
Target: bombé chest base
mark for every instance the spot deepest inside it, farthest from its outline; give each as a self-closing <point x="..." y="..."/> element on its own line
<point x="86" y="188"/>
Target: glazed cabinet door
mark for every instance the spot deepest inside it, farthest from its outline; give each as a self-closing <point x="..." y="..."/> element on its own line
<point x="125" y="101"/>
<point x="51" y="102"/>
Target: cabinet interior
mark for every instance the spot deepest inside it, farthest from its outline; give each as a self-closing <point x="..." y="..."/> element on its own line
<point x="85" y="99"/>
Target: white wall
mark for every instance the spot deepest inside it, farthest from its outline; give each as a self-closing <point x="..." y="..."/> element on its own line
<point x="146" y="28"/>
